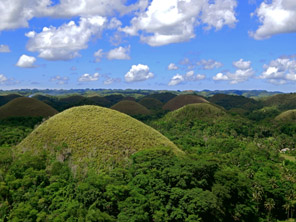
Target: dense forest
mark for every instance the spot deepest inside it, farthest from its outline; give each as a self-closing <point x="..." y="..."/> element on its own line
<point x="236" y="159"/>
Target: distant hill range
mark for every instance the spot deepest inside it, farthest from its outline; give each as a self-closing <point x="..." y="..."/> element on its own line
<point x="137" y="92"/>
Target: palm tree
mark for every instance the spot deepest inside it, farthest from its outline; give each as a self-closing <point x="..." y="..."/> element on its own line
<point x="269" y="205"/>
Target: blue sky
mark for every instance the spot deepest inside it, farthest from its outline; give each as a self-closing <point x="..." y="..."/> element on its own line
<point x="158" y="44"/>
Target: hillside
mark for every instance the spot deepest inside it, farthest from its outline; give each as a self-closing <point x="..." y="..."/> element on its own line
<point x="282" y="101"/>
<point x="24" y="106"/>
<point x="231" y="101"/>
<point x="151" y="103"/>
<point x="6" y="98"/>
<point x="130" y="108"/>
<point x="182" y="100"/>
<point x="94" y="136"/>
<point x="162" y="97"/>
<point x="287" y="116"/>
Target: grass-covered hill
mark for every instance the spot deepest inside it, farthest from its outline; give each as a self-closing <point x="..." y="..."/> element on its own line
<point x="162" y="97"/>
<point x="24" y="106"/>
<point x="151" y="103"/>
<point x="282" y="101"/>
<point x="287" y="116"/>
<point x="130" y="108"/>
<point x="233" y="101"/>
<point x="195" y="111"/>
<point x="6" y="98"/>
<point x="93" y="136"/>
<point x="182" y="100"/>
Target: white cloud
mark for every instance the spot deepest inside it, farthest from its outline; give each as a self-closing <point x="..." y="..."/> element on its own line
<point x="109" y="81"/>
<point x="172" y="66"/>
<point x="276" y="16"/>
<point x="4" y="48"/>
<point x="138" y="73"/>
<point x="280" y="71"/>
<point x="17" y="13"/>
<point x="89" y="78"/>
<point x="60" y="80"/>
<point x="120" y="53"/>
<point x="166" y="22"/>
<point x="64" y="43"/>
<point x="220" y="76"/>
<point x="99" y="55"/>
<point x="176" y="79"/>
<point x="189" y="76"/>
<point x="26" y="61"/>
<point x="241" y="64"/>
<point x="3" y="79"/>
<point x="209" y="64"/>
<point x="243" y="72"/>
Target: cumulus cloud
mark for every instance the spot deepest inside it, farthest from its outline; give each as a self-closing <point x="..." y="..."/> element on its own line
<point x="172" y="66"/>
<point x="166" y="22"/>
<point x="120" y="53"/>
<point x="209" y="64"/>
<point x="60" y="80"/>
<point x="138" y="73"/>
<point x="65" y="42"/>
<point x="17" y="13"/>
<point x="3" y="79"/>
<point x="4" y="48"/>
<point x="243" y="72"/>
<point x="280" y="71"/>
<point x="89" y="78"/>
<point x="26" y="61"/>
<point x="276" y="16"/>
<point x="189" y="76"/>
<point x="176" y="79"/>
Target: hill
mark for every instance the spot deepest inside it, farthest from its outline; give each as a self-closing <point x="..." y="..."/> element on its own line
<point x="151" y="103"/>
<point x="24" y="106"/>
<point x="231" y="101"/>
<point x="287" y="116"/>
<point x="182" y="100"/>
<point x="282" y="101"/>
<point x="130" y="108"/>
<point x="195" y="111"/>
<point x="162" y="97"/>
<point x="6" y="98"/>
<point x="94" y="136"/>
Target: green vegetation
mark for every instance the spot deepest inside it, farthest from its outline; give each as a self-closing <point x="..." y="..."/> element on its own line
<point x="6" y="98"/>
<point x="182" y="100"/>
<point x="26" y="107"/>
<point x="233" y="101"/>
<point x="281" y="101"/>
<point x="131" y="108"/>
<point x="92" y="136"/>
<point x="287" y="116"/>
<point x="151" y="103"/>
<point x="162" y="97"/>
<point x="91" y="163"/>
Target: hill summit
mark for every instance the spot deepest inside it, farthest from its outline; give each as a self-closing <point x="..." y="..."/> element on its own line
<point x="93" y="136"/>
<point x="182" y="100"/>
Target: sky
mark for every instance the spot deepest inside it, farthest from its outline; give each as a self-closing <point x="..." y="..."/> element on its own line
<point x="148" y="44"/>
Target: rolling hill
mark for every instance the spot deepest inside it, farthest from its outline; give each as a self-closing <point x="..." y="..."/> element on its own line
<point x="6" y="98"/>
<point x="24" y="106"/>
<point x="151" y="103"/>
<point x="282" y="101"/>
<point x="93" y="136"/>
<point x="287" y="116"/>
<point x="130" y="108"/>
<point x="182" y="100"/>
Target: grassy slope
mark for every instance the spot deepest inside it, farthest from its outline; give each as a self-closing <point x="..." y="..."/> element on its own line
<point x="24" y="106"/>
<point x="282" y="101"/>
<point x="183" y="100"/>
<point x="94" y="136"/>
<point x="289" y="115"/>
<point x="130" y="108"/>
